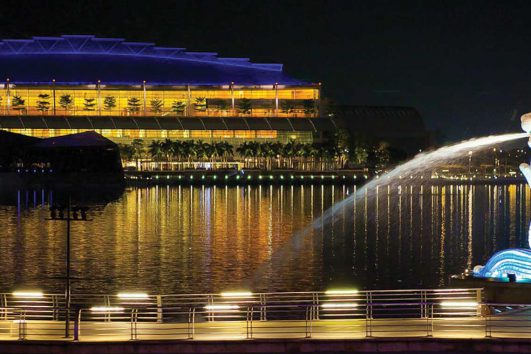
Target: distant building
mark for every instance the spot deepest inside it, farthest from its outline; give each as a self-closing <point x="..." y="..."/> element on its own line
<point x="401" y="127"/>
<point x="55" y="86"/>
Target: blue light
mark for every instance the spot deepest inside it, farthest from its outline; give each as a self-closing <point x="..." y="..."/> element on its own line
<point x="515" y="261"/>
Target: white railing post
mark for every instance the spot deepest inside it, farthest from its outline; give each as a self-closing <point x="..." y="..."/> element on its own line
<point x="77" y="324"/>
<point x="249" y="322"/>
<point x="308" y="321"/>
<point x="191" y="323"/>
<point x="159" y="309"/>
<point x="368" y="317"/>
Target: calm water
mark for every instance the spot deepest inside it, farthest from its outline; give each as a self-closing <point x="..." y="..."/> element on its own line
<point x="204" y="239"/>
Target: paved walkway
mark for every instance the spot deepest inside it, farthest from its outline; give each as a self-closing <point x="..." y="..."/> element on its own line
<point x="458" y="328"/>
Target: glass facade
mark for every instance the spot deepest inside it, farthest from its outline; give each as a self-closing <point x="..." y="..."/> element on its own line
<point x="141" y="100"/>
<point x="127" y="135"/>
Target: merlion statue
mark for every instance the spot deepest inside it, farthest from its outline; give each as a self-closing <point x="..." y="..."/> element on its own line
<point x="514" y="261"/>
<point x="524" y="167"/>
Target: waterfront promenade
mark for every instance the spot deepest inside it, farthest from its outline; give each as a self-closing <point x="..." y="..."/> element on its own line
<point x="243" y="315"/>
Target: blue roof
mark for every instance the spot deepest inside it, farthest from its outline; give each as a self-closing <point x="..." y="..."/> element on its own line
<point x="85" y="59"/>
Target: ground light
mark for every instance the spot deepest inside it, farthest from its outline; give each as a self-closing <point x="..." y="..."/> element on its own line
<point x="106" y="309"/>
<point x="341" y="291"/>
<point x="459" y="304"/>
<point x="28" y="294"/>
<point x="339" y="305"/>
<point x="133" y="296"/>
<point x="237" y="294"/>
<point x="213" y="308"/>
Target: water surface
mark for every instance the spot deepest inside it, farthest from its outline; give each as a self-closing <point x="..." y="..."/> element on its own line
<point x="179" y="239"/>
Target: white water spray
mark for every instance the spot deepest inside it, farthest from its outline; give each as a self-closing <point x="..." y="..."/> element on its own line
<point x="420" y="164"/>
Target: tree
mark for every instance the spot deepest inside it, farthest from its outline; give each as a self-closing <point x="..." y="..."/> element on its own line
<point x="178" y="107"/>
<point x="155" y="150"/>
<point x="360" y="155"/>
<point x="382" y="155"/>
<point x="245" y="106"/>
<point x="43" y="103"/>
<point x="156" y="105"/>
<point x="200" y="104"/>
<point x="66" y="102"/>
<point x="18" y="104"/>
<point x="286" y="106"/>
<point x="223" y="105"/>
<point x="126" y="152"/>
<point x="109" y="102"/>
<point x="308" y="106"/>
<point x="248" y="151"/>
<point x="89" y="104"/>
<point x="133" y="105"/>
<point x="137" y="146"/>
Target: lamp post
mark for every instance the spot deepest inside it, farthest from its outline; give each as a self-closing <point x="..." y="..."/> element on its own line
<point x="76" y="213"/>
<point x="469" y="162"/>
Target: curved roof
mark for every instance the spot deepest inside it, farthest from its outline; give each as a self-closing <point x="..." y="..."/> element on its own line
<point x="85" y="59"/>
<point x="168" y="123"/>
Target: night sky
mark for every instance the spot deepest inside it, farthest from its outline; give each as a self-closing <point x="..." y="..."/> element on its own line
<point x="465" y="65"/>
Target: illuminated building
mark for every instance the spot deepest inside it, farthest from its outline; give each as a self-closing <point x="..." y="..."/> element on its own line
<point x="127" y="90"/>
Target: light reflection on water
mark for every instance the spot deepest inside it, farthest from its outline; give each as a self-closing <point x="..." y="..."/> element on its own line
<point x="208" y="239"/>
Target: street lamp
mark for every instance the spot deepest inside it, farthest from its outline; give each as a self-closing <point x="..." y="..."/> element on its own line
<point x="76" y="213"/>
<point x="469" y="161"/>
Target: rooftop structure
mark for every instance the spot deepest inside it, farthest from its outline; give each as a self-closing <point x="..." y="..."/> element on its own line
<point x="89" y="78"/>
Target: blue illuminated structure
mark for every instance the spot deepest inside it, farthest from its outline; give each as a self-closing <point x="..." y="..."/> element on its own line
<point x="513" y="261"/>
<point x="79" y="59"/>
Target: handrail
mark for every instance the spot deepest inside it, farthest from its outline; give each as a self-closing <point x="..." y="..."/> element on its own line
<point x="300" y="320"/>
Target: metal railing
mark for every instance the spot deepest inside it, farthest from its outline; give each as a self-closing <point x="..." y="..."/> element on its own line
<point x="450" y="313"/>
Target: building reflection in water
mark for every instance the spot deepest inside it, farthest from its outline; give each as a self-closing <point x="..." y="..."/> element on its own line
<point x="174" y="239"/>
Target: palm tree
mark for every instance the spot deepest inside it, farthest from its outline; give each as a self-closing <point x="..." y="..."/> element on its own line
<point x="156" y="105"/>
<point x="137" y="146"/>
<point x="178" y="107"/>
<point x="43" y="103"/>
<point x="223" y="105"/>
<point x="18" y="104"/>
<point x="245" y="106"/>
<point x="289" y="151"/>
<point x="109" y="102"/>
<point x="308" y="106"/>
<point x="189" y="150"/>
<point x="225" y="150"/>
<point x="178" y="150"/>
<point x="168" y="149"/>
<point x="66" y="102"/>
<point x="89" y="104"/>
<point x="200" y="104"/>
<point x="133" y="105"/>
<point x="126" y="152"/>
<point x="286" y="106"/>
<point x="155" y="150"/>
<point x="245" y="150"/>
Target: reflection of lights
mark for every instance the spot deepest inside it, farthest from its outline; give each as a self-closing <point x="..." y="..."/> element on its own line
<point x="339" y="305"/>
<point x="35" y="294"/>
<point x="459" y="304"/>
<point x="237" y="294"/>
<point x="341" y="292"/>
<point x="106" y="309"/>
<point x="133" y="296"/>
<point x="221" y="307"/>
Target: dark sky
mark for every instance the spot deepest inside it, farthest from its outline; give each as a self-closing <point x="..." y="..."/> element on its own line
<point x="465" y="65"/>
